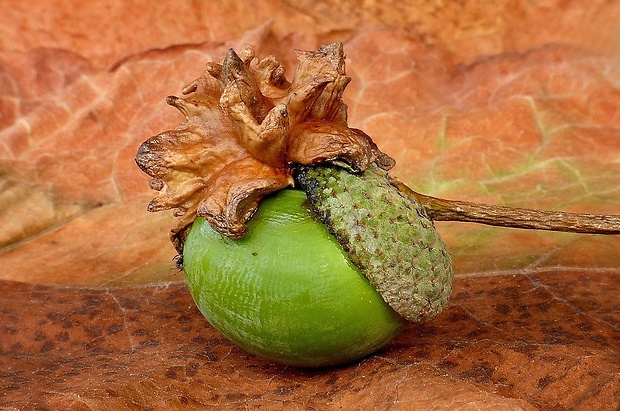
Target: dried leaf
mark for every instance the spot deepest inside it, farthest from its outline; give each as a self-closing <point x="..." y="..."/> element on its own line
<point x="149" y="347"/>
<point x="502" y="102"/>
<point x="244" y="126"/>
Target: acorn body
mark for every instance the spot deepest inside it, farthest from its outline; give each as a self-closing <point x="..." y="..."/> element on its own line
<point x="287" y="291"/>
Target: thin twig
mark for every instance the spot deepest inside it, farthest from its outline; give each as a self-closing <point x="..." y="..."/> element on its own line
<point x="450" y="210"/>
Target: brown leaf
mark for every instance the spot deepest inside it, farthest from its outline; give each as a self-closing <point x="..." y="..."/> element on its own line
<point x="148" y="347"/>
<point x="505" y="102"/>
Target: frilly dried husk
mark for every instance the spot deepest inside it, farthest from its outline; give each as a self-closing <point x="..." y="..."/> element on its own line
<point x="245" y="127"/>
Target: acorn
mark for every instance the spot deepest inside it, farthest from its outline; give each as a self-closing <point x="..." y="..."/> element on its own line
<point x="296" y="242"/>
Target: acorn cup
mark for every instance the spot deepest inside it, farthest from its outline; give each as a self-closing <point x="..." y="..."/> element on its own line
<point x="316" y="277"/>
<point x="386" y="234"/>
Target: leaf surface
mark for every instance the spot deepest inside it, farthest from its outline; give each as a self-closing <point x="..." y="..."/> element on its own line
<point x="500" y="102"/>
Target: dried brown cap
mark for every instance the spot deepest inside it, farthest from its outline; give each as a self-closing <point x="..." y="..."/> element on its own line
<point x="245" y="126"/>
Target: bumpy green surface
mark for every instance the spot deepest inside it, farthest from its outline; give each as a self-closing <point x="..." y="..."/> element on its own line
<point x="386" y="234"/>
<point x="287" y="291"/>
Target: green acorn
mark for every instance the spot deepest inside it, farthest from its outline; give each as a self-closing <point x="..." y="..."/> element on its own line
<point x="386" y="234"/>
<point x="248" y="134"/>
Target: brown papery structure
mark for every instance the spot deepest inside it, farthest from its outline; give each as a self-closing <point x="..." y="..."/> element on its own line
<point x="245" y="126"/>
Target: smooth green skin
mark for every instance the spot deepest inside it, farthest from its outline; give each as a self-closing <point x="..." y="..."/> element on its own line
<point x="287" y="290"/>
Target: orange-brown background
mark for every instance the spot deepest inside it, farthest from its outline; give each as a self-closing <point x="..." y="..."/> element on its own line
<point x="508" y="102"/>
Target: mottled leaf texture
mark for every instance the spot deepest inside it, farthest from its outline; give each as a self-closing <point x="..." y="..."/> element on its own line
<point x="505" y="102"/>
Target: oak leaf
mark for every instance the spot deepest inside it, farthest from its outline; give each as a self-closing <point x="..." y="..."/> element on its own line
<point x="507" y="103"/>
